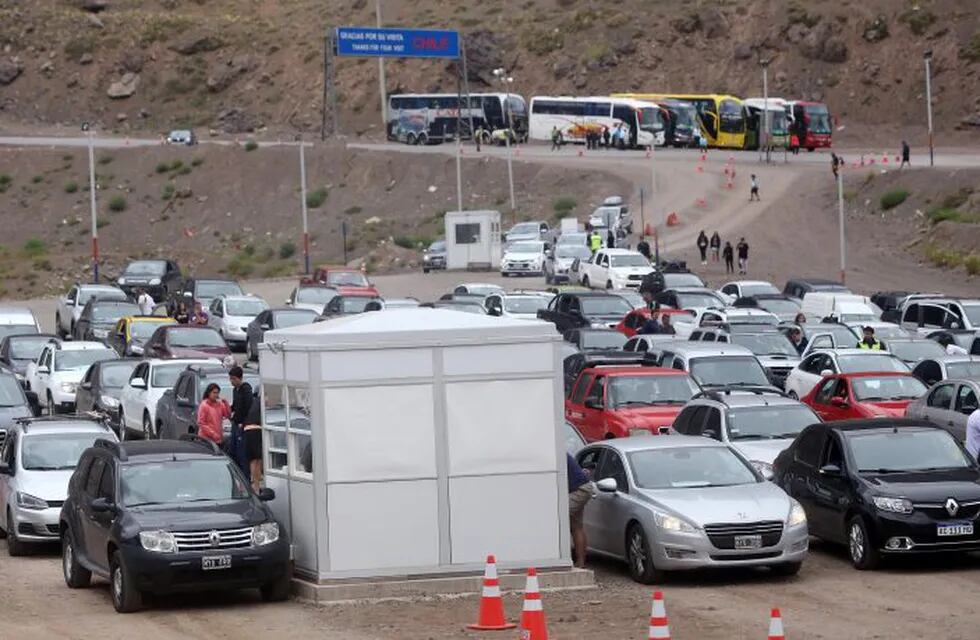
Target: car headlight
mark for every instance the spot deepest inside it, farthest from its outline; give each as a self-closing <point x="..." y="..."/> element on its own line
<point x="155" y="281"/>
<point x="121" y="281"/>
<point x="762" y="467"/>
<point x="27" y="501"/>
<point x="797" y="515"/>
<point x="599" y="325"/>
<point x="158" y="541"/>
<point x="19" y="376"/>
<point x="894" y="505"/>
<point x="265" y="533"/>
<point x="108" y="401"/>
<point x="639" y="431"/>
<point x="69" y="387"/>
<point x="668" y="522"/>
<point x="426" y="258"/>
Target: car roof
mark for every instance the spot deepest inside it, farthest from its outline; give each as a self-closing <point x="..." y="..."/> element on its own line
<point x="745" y="282"/>
<point x="98" y="287"/>
<point x="818" y="281"/>
<point x="877" y="374"/>
<point x="735" y="398"/>
<point x="636" y="371"/>
<point x="62" y="424"/>
<point x="82" y="345"/>
<point x="244" y="296"/>
<point x="646" y="443"/>
<point x="710" y="348"/>
<point x="853" y="351"/>
<point x="616" y="251"/>
<point x="291" y="309"/>
<point x="7" y="311"/>
<point x="142" y="450"/>
<point x="184" y="361"/>
<point x="881" y="424"/>
<point x="160" y="319"/>
<point x="693" y="290"/>
<point x="215" y="280"/>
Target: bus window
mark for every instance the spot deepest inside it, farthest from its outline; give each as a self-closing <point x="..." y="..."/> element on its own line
<point x="732" y="118"/>
<point x="623" y="113"/>
<point x="709" y="118"/>
<point x="516" y="107"/>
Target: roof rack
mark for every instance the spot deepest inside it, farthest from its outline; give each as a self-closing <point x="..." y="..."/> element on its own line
<point x="196" y="439"/>
<point x="715" y="393"/>
<point x="24" y="421"/>
<point x="112" y="446"/>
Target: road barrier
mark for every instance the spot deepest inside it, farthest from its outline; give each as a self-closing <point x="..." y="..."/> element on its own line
<point x="659" y="629"/>
<point x="776" y="625"/>
<point x="533" y="626"/>
<point x="491" y="615"/>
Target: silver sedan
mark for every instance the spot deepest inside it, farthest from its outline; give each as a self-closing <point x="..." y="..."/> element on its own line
<point x="948" y="405"/>
<point x="671" y="503"/>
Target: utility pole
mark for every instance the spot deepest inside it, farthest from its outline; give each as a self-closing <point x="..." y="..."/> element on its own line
<point x="653" y="195"/>
<point x="302" y="196"/>
<point x="840" y="215"/>
<point x="764" y="125"/>
<point x="927" y="57"/>
<point x="459" y="172"/>
<point x="381" y="73"/>
<point x="92" y="204"/>
<point x="507" y="81"/>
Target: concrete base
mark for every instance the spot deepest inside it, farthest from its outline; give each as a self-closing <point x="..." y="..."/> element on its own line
<point x="414" y="587"/>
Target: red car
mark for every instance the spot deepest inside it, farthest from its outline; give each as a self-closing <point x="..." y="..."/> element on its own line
<point x="615" y="402"/>
<point x="864" y="395"/>
<point x="631" y="324"/>
<point x="341" y="277"/>
<point x="185" y="341"/>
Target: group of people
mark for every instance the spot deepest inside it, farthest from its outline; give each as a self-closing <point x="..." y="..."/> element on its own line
<point x="596" y="239"/>
<point x="727" y="253"/>
<point x="182" y="314"/>
<point x="244" y="445"/>
<point x="596" y="138"/>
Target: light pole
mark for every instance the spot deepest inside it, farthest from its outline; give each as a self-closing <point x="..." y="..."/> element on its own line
<point x="840" y="215"/>
<point x="764" y="131"/>
<point x="927" y="58"/>
<point x="381" y="76"/>
<point x="507" y="81"/>
<point x="91" y="193"/>
<point x="302" y="196"/>
<point x="653" y="195"/>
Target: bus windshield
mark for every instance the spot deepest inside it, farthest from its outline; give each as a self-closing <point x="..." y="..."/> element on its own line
<point x="778" y="123"/>
<point x="818" y="118"/>
<point x="650" y="119"/>
<point x="732" y="119"/>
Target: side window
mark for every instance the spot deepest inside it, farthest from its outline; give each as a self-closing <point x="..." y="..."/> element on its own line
<point x="579" y="394"/>
<point x="612" y="467"/>
<point x="941" y="396"/>
<point x="966" y="400"/>
<point x="81" y="471"/>
<point x="589" y="460"/>
<point x="87" y="378"/>
<point x="107" y="485"/>
<point x="712" y="426"/>
<point x="641" y="345"/>
<point x="183" y="391"/>
<point x="696" y="335"/>
<point x="808" y="446"/>
<point x="9" y="449"/>
<point x="911" y="314"/>
<point x="826" y="391"/>
<point x="832" y="453"/>
<point x="810" y="364"/>
<point x="934" y="316"/>
<point x="929" y="372"/>
<point x="695" y="423"/>
<point x="678" y="364"/>
<point x="596" y="392"/>
<point x="94" y="478"/>
<point x="730" y="290"/>
<point x="683" y="419"/>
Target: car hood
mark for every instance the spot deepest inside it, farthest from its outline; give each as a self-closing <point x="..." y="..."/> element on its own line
<point x="512" y="237"/>
<point x="18" y="365"/>
<point x="198" y="352"/>
<point x="762" y="450"/>
<point x="309" y="306"/>
<point x="9" y="415"/>
<point x="654" y="416"/>
<point x="523" y="257"/>
<point x="779" y="361"/>
<point x="928" y="486"/>
<point x="68" y="375"/>
<point x="47" y="485"/>
<point x="888" y="408"/>
<point x="242" y="321"/>
<point x="523" y="316"/>
<point x="740" y="503"/>
<point x="196" y="516"/>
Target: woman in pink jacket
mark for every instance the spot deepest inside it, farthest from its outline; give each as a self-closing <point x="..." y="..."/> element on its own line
<point x="210" y="414"/>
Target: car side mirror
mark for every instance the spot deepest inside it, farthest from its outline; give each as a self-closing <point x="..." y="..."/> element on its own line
<point x="826" y="372"/>
<point x="830" y="471"/>
<point x="266" y="494"/>
<point x="838" y="401"/>
<point x="495" y="311"/>
<point x="137" y="383"/>
<point x="102" y="505"/>
<point x="607" y="485"/>
<point x="265" y="326"/>
<point x="69" y="302"/>
<point x="86" y="385"/>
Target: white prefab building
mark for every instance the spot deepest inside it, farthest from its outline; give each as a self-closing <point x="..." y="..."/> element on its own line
<point x="473" y="240"/>
<point x="416" y="441"/>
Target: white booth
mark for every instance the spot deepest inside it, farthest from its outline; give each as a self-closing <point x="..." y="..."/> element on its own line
<point x="416" y="441"/>
<point x="473" y="240"/>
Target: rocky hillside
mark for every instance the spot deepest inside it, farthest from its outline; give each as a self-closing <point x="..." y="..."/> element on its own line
<point x="241" y="65"/>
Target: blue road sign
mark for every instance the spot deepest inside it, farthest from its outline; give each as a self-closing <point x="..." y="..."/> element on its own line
<point x="397" y="43"/>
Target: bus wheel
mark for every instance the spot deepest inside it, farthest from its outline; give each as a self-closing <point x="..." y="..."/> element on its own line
<point x="422" y="139"/>
<point x="410" y="139"/>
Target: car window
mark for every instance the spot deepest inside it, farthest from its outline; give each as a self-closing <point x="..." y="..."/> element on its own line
<point x="595" y="393"/>
<point x="808" y="446"/>
<point x="941" y="396"/>
<point x="579" y="395"/>
<point x="612" y="467"/>
<point x="695" y="421"/>
<point x="107" y="487"/>
<point x="712" y="426"/>
<point x="183" y="391"/>
<point x="94" y="477"/>
<point x="589" y="460"/>
<point x="966" y="399"/>
<point x="826" y="391"/>
<point x="9" y="446"/>
<point x="81" y="471"/>
<point x="832" y="452"/>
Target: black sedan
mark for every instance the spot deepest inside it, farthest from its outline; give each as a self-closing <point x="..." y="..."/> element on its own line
<point x="17" y="351"/>
<point x="102" y="385"/>
<point x="884" y="487"/>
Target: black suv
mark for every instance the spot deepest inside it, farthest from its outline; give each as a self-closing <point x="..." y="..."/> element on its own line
<point x="177" y="407"/>
<point x="169" y="516"/>
<point x="159" y="278"/>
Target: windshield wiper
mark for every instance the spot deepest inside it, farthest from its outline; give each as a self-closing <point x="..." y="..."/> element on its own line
<point x="642" y="403"/>
<point x="751" y="436"/>
<point x="882" y="470"/>
<point x="788" y="434"/>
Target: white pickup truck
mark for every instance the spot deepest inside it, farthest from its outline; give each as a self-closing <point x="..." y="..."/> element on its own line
<point x="614" y="269"/>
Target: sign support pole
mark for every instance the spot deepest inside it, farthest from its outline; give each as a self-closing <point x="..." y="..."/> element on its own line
<point x="302" y="195"/>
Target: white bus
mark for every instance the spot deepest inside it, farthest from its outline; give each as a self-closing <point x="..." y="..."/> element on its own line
<point x="642" y="122"/>
<point x="436" y="113"/>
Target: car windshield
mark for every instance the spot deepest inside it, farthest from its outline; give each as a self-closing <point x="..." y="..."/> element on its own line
<point x="214" y="288"/>
<point x="438" y="246"/>
<point x="736" y="318"/>
<point x="27" y="347"/>
<point x="915" y="350"/>
<point x="146" y="268"/>
<point x="843" y="337"/>
<point x="605" y="306"/>
<point x="573" y="251"/>
<point x="250" y="308"/>
<point x="861" y="363"/>
<point x="315" y="295"/>
<point x="355" y="304"/>
<point x="113" y="311"/>
<point x="176" y="481"/>
<point x="906" y="450"/>
<point x="525" y="304"/>
<point x="114" y="375"/>
<point x="84" y="295"/>
<point x="293" y="318"/>
<point x="674" y="280"/>
<point x="765" y="344"/>
<point x="533" y="248"/>
<point x="479" y="289"/>
<point x="629" y="260"/>
<point x="972" y="312"/>
<point x="634" y="299"/>
<point x="771" y="421"/>
<point x="347" y="279"/>
<point x="165" y="375"/>
<point x="602" y="340"/>
<point x="56" y="452"/>
<point x="689" y="468"/>
<point x="650" y="119"/>
<point x="728" y="370"/>
<point x="758" y="288"/>
<point x="81" y="359"/>
<point x="778" y="306"/>
<point x="887" y="388"/>
<point x="11" y="394"/>
<point x="187" y="337"/>
<point x="627" y="391"/>
<point x="573" y="239"/>
<point x="16" y="330"/>
<point x="965" y="369"/>
<point x="143" y="329"/>
<point x="696" y="300"/>
<point x="525" y="228"/>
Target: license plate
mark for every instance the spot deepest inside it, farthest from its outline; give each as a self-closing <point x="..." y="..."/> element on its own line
<point x="209" y="563"/>
<point x="954" y="529"/>
<point x="748" y="542"/>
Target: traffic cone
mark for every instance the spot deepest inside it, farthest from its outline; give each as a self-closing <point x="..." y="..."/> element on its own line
<point x="532" y="617"/>
<point x="700" y="168"/>
<point x="701" y="202"/>
<point x="884" y="158"/>
<point x="776" y="626"/>
<point x="648" y="230"/>
<point x="659" y="629"/>
<point x="491" y="617"/>
<point x="672" y="219"/>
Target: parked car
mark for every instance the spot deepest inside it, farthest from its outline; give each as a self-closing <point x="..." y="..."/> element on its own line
<point x="818" y="365"/>
<point x="483" y="289"/>
<point x="774" y="351"/>
<point x="932" y="370"/>
<point x="633" y="322"/>
<point x="333" y="276"/>
<point x="55" y="375"/>
<point x="966" y="339"/>
<point x="176" y="413"/>
<point x="36" y="461"/>
<point x="781" y="306"/>
<point x="143" y="390"/>
<point x="99" y="317"/>
<point x="611" y="402"/>
<point x="271" y="319"/>
<point x="16" y="321"/>
<point x="159" y="517"/>
<point x="524" y="258"/>
<point x="130" y="334"/>
<point x="647" y="342"/>
<point x="585" y="309"/>
<point x="558" y="262"/>
<point x="18" y="351"/>
<point x="848" y="308"/>
<point x="927" y="315"/>
<point x="948" y="405"/>
<point x="311" y="297"/>
<point x="746" y="288"/>
<point x="573" y="239"/>
<point x="851" y="396"/>
<point x="186" y="341"/>
<point x="887" y="486"/>
<point x="101" y="387"/>
<point x="434" y="257"/>
<point x="716" y="365"/>
<point x="203" y="290"/>
<point x="14" y="403"/>
<point x="690" y="298"/>
<point x="673" y="503"/>
<point x="182" y="136"/>
<point x="614" y="269"/>
<point x="347" y="304"/>
<point x="837" y="335"/>
<point x="523" y="231"/>
<point x="588" y="339"/>
<point x="520" y="306"/>
<point x="70" y="307"/>
<point x="912" y="351"/>
<point x="574" y="363"/>
<point x="797" y="288"/>
<point x="159" y="278"/>
<point x="231" y="315"/>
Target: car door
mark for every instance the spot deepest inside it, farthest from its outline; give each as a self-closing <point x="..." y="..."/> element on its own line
<point x="43" y="374"/>
<point x="594" y="409"/>
<point x="610" y="510"/>
<point x="101" y="522"/>
<point x="575" y="403"/>
<point x="827" y="389"/>
<point x="939" y="404"/>
<point x="8" y="455"/>
<point x="117" y="337"/>
<point x="66" y="310"/>
<point x="801" y="471"/>
<point x="133" y="398"/>
<point x="216" y="314"/>
<point x="830" y="491"/>
<point x="690" y="421"/>
<point x="590" y="459"/>
<point x="966" y="403"/>
<point x="185" y="405"/>
<point x="88" y="520"/>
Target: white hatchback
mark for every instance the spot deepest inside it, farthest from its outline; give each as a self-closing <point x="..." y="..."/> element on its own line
<point x="139" y="397"/>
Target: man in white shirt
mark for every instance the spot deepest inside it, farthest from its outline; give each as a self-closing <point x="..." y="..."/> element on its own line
<point x="952" y="349"/>
<point x="145" y="303"/>
<point x="973" y="433"/>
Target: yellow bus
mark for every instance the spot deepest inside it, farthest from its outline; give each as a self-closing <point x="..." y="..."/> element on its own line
<point x="721" y="117"/>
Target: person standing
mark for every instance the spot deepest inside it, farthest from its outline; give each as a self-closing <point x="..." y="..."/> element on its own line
<point x="241" y="404"/>
<point x="798" y="339"/>
<point x="252" y="434"/>
<point x="743" y="256"/>
<point x="665" y="324"/>
<point x="753" y="188"/>
<point x="579" y="494"/>
<point x="729" y="255"/>
<point x="973" y="434"/>
<point x="605" y="137"/>
<point x="834" y="165"/>
<point x="715" y="245"/>
<point x="703" y="246"/>
<point x="644" y="248"/>
<point x="555" y="139"/>
<point x="145" y="302"/>
<point x="869" y="341"/>
<point x="595" y="241"/>
<point x="610" y="240"/>
<point x="181" y="315"/>
<point x="906" y="152"/>
<point x="211" y="413"/>
<point x="200" y="315"/>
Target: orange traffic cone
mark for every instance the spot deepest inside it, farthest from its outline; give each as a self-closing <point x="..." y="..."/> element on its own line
<point x="659" y="628"/>
<point x="648" y="230"/>
<point x="776" y="626"/>
<point x="532" y="617"/>
<point x="672" y="219"/>
<point x="491" y="617"/>
<point x="700" y="168"/>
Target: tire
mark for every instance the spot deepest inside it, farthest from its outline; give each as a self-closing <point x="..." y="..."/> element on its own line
<point x="148" y="428"/>
<point x="786" y="569"/>
<point x="638" y="558"/>
<point x="125" y="597"/>
<point x="410" y="139"/>
<point x="863" y="555"/>
<point x="15" y="548"/>
<point x="76" y="576"/>
<point x="422" y="140"/>
<point x="585" y="282"/>
<point x="277" y="590"/>
<point x="51" y="406"/>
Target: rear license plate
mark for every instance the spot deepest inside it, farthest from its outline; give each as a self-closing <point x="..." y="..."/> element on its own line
<point x="209" y="563"/>
<point x="954" y="529"/>
<point x="748" y="542"/>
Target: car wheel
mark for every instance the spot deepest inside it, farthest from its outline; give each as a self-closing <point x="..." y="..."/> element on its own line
<point x="585" y="282"/>
<point x="639" y="558"/>
<point x="422" y="139"/>
<point x="410" y="139"/>
<point x="14" y="546"/>
<point x="76" y="576"/>
<point x="147" y="427"/>
<point x="125" y="597"/>
<point x="277" y="590"/>
<point x="52" y="407"/>
<point x="863" y="554"/>
<point x="786" y="569"/>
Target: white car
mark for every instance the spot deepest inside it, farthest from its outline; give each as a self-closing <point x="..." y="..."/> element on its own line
<point x="614" y="269"/>
<point x="523" y="258"/>
<point x="819" y="364"/>
<point x="58" y="370"/>
<point x="139" y="397"/>
<point x="732" y="291"/>
<point x="527" y="231"/>
<point x="313" y="297"/>
<point x="70" y="307"/>
<point x="520" y="306"/>
<point x="230" y="316"/>
<point x="17" y="320"/>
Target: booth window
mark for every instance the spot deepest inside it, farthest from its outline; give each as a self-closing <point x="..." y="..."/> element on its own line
<point x="276" y="453"/>
<point x="301" y="452"/>
<point x="468" y="233"/>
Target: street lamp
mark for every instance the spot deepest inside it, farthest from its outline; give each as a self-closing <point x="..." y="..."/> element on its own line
<point x="91" y="192"/>
<point x="764" y="132"/>
<point x="927" y="58"/>
<point x="507" y="82"/>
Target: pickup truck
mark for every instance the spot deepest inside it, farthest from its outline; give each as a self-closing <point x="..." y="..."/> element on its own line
<point x="585" y="309"/>
<point x="614" y="269"/>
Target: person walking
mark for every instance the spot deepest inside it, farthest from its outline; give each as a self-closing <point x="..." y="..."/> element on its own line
<point x="605" y="137"/>
<point x="834" y="165"/>
<point x="555" y="139"/>
<point x="729" y="255"/>
<point x="906" y="152"/>
<point x="579" y="494"/>
<point x="644" y="248"/>
<point x="703" y="246"/>
<point x="869" y="341"/>
<point x="743" y="256"/>
<point x="715" y="244"/>
<point x="145" y="302"/>
<point x="241" y="404"/>
<point x="212" y="411"/>
<point x="754" y="188"/>
<point x="252" y="434"/>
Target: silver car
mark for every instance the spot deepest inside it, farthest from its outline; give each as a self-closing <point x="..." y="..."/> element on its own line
<point x="37" y="460"/>
<point x="948" y="405"/>
<point x="672" y="503"/>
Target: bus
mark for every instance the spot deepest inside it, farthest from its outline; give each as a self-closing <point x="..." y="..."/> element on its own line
<point x="778" y="122"/>
<point x="721" y="117"/>
<point x="642" y="121"/>
<point x="435" y="115"/>
<point x="682" y="123"/>
<point x="811" y="122"/>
